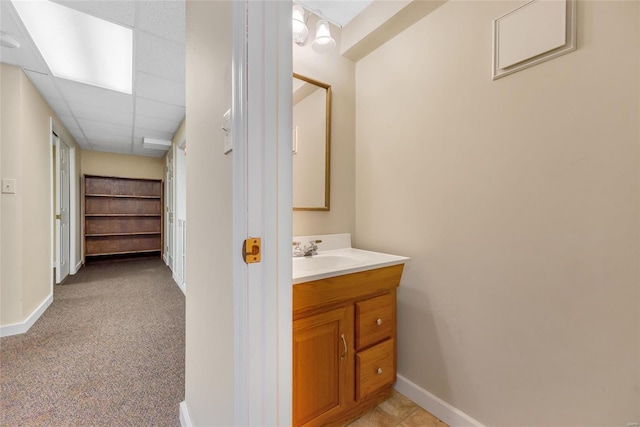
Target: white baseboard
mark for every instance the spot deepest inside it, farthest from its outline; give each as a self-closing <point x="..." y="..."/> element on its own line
<point x="164" y="258"/>
<point x="22" y="327"/>
<point x="438" y="407"/>
<point x="78" y="267"/>
<point x="181" y="285"/>
<point x="185" y="419"/>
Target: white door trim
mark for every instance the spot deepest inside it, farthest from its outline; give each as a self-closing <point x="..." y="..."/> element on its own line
<point x="261" y="132"/>
<point x="73" y="212"/>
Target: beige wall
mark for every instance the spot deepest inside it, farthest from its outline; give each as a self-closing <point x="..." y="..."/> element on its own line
<point x="25" y="225"/>
<point x="209" y="361"/>
<point x="122" y="165"/>
<point x="11" y="207"/>
<point x="339" y="72"/>
<point x="518" y="202"/>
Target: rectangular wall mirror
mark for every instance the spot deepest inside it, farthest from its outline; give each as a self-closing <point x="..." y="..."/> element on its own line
<point x="311" y="144"/>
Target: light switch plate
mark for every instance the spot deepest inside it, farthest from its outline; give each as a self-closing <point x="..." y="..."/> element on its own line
<point x="226" y="128"/>
<point x="8" y="185"/>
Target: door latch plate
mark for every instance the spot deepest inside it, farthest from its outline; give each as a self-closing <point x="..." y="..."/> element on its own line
<point x="252" y="250"/>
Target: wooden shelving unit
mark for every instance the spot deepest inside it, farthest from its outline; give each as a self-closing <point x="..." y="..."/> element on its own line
<point x="122" y="216"/>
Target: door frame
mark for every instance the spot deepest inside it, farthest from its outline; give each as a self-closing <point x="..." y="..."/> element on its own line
<point x="74" y="263"/>
<point x="262" y="207"/>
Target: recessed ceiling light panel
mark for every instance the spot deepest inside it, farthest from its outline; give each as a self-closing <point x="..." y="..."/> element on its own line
<point x="80" y="47"/>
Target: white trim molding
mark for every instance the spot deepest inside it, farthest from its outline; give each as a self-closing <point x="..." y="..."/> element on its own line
<point x="78" y="267"/>
<point x="185" y="419"/>
<point x="179" y="282"/>
<point x="22" y="327"/>
<point x="444" y="411"/>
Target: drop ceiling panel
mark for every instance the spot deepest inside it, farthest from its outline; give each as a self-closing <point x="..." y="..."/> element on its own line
<point x="160" y="57"/>
<point x="160" y="89"/>
<point x="105" y="139"/>
<point x="90" y="126"/>
<point x="159" y="110"/>
<point x="90" y="112"/>
<point x="165" y="19"/>
<point x="156" y="124"/>
<point x="44" y="83"/>
<point x="59" y="106"/>
<point x="26" y="56"/>
<point x="120" y="149"/>
<point x="154" y="134"/>
<point x="69" y="122"/>
<point x="79" y="93"/>
<point x="118" y="11"/>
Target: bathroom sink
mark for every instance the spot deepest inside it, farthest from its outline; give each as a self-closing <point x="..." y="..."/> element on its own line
<point x="336" y="257"/>
<point x="326" y="262"/>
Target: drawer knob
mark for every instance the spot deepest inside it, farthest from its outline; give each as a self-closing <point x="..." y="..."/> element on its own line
<point x="379" y="371"/>
<point x="379" y="322"/>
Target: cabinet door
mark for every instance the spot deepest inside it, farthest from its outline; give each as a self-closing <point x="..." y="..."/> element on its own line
<point x="323" y="366"/>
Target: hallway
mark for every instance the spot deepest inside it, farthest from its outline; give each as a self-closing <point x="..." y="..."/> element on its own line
<point x="108" y="351"/>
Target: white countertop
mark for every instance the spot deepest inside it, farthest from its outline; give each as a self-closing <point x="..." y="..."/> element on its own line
<point x="337" y="262"/>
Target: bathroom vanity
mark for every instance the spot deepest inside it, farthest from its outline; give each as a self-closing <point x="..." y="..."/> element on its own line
<point x="344" y="333"/>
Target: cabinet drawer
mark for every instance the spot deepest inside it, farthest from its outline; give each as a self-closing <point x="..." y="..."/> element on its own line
<point x="374" y="320"/>
<point x="375" y="369"/>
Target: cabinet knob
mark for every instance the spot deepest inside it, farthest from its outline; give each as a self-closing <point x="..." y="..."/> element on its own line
<point x="379" y="322"/>
<point x="379" y="371"/>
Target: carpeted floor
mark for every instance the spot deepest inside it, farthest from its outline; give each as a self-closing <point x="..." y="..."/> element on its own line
<point x="109" y="351"/>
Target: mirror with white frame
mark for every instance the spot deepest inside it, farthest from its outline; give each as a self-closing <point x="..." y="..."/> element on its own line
<point x="311" y="144"/>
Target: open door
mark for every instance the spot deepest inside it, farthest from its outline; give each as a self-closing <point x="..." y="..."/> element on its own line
<point x="62" y="190"/>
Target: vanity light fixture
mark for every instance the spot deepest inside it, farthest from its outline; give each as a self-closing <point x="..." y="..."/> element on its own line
<point x="299" y="26"/>
<point x="323" y="41"/>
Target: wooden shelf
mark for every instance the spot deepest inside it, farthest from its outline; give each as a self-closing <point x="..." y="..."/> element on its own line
<point x="123" y="196"/>
<point x="137" y="233"/>
<point x="122" y="216"/>
<point x="126" y="252"/>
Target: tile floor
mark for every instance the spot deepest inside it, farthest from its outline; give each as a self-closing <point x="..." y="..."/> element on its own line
<point x="397" y="411"/>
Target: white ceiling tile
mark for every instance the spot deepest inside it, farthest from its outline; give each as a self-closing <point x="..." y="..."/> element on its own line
<point x="26" y="56"/>
<point x="159" y="110"/>
<point x="160" y="89"/>
<point x="93" y="127"/>
<point x="121" y="149"/>
<point x="167" y="126"/>
<point x="83" y="111"/>
<point x="100" y="138"/>
<point x="160" y="57"/>
<point x="69" y="122"/>
<point x="44" y="83"/>
<point x="163" y="18"/>
<point x="118" y="11"/>
<point x="79" y="93"/>
<point x="142" y="133"/>
<point x="59" y="106"/>
<point x="77" y="134"/>
<point x="84" y="145"/>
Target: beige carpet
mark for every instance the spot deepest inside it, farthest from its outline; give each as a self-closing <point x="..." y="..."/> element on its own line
<point x="109" y="351"/>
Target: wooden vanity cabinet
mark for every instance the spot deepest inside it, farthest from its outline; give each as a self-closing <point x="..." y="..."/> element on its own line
<point x="344" y="345"/>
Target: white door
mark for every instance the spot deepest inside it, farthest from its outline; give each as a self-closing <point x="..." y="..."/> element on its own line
<point x="62" y="210"/>
<point x="169" y="249"/>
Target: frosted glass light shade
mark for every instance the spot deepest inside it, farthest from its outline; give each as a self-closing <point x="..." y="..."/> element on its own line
<point x="299" y="28"/>
<point x="323" y="41"/>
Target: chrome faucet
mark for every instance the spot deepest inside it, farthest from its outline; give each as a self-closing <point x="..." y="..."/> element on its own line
<point x="310" y="250"/>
